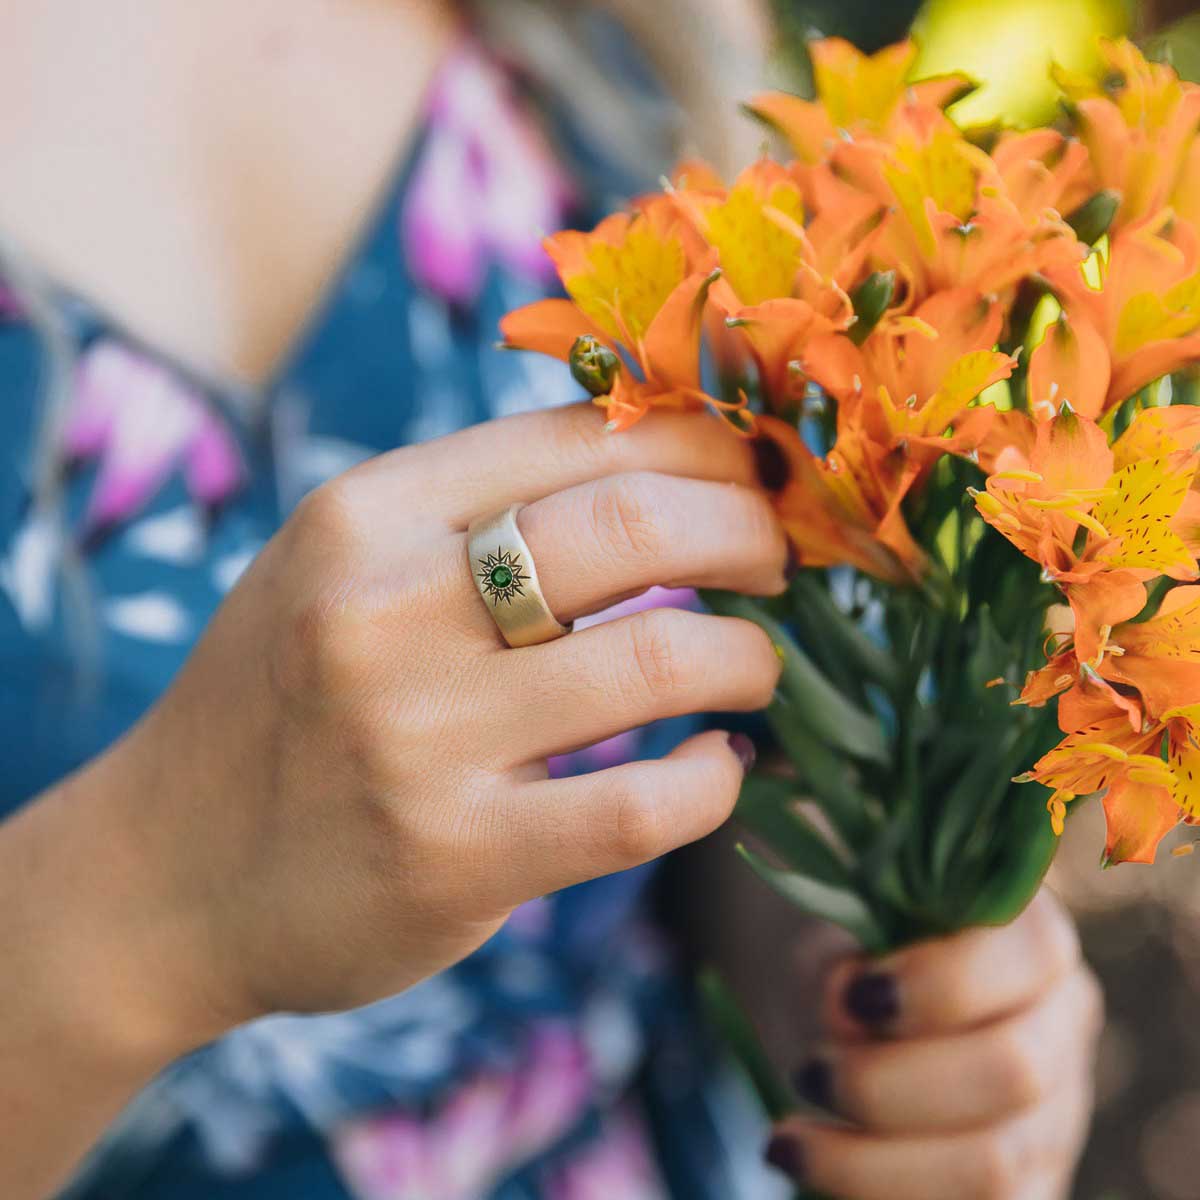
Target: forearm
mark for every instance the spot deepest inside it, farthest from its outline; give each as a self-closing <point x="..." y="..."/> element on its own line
<point x="85" y="1018"/>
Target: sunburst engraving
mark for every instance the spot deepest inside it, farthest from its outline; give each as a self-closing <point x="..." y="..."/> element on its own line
<point x="501" y="576"/>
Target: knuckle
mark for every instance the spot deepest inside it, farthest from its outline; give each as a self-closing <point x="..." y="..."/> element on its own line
<point x="1018" y="1076"/>
<point x="325" y="517"/>
<point x="627" y="516"/>
<point x="636" y="825"/>
<point x="326" y="651"/>
<point x="659" y="653"/>
<point x="995" y="1174"/>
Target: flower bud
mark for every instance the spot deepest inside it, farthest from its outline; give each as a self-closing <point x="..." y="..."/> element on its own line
<point x="593" y="365"/>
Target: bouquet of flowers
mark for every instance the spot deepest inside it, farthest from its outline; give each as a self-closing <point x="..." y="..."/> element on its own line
<point x="942" y="329"/>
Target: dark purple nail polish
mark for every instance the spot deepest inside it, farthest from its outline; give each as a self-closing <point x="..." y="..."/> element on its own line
<point x="787" y="1155"/>
<point x="873" y="999"/>
<point x="791" y="568"/>
<point x="814" y="1083"/>
<point x="745" y="750"/>
<point x="774" y="470"/>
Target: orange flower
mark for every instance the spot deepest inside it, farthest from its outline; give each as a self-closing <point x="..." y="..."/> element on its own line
<point x="911" y="383"/>
<point x="1042" y="169"/>
<point x="1125" y="765"/>
<point x="904" y="400"/>
<point x="1143" y="300"/>
<point x="637" y="285"/>
<point x="1145" y="794"/>
<point x="1140" y="132"/>
<point x="776" y="289"/>
<point x="856" y="93"/>
<point x="951" y="222"/>
<point x="1127" y="515"/>
<point x="845" y="508"/>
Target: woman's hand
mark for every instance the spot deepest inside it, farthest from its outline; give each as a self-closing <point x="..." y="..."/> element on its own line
<point x="346" y="788"/>
<point x="959" y="1069"/>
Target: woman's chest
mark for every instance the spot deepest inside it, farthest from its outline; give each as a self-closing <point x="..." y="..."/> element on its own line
<point x="201" y="171"/>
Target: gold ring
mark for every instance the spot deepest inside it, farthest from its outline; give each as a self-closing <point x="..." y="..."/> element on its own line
<point x="503" y="570"/>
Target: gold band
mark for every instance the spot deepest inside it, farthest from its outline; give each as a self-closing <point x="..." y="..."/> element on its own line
<point x="503" y="570"/>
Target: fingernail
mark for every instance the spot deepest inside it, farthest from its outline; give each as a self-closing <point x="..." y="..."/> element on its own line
<point x="745" y="750"/>
<point x="814" y="1083"/>
<point x="791" y="568"/>
<point x="786" y="1155"/>
<point x="774" y="470"/>
<point x="873" y="998"/>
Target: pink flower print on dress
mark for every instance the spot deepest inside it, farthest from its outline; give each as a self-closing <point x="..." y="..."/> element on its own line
<point x="489" y="1127"/>
<point x="485" y="186"/>
<point x="618" y="1164"/>
<point x="10" y="306"/>
<point x="141" y="422"/>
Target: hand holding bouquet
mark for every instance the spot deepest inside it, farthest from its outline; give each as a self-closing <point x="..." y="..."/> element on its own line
<point x="942" y="330"/>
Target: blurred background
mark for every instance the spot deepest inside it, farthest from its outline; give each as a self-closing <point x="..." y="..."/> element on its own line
<point x="1140" y="927"/>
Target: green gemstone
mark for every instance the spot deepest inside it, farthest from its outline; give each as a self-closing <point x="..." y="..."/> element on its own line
<point x="502" y="576"/>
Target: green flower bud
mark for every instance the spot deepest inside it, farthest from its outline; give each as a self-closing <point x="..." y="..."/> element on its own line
<point x="1093" y="217"/>
<point x="593" y="365"/>
<point x="871" y="299"/>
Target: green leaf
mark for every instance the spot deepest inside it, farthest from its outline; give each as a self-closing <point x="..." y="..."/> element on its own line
<point x="811" y="698"/>
<point x="729" y="1019"/>
<point x="837" y="905"/>
<point x="829" y="777"/>
<point x="766" y="807"/>
<point x="1028" y="848"/>
<point x="845" y="636"/>
<point x="871" y="299"/>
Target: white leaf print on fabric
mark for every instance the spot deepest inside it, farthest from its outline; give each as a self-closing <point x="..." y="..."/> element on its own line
<point x="149" y="617"/>
<point x="175" y="537"/>
<point x="27" y="573"/>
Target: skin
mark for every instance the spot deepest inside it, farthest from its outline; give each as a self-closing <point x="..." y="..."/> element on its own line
<point x="345" y="790"/>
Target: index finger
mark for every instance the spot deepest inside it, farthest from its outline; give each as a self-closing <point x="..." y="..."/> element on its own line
<point x="954" y="983"/>
<point x="528" y="456"/>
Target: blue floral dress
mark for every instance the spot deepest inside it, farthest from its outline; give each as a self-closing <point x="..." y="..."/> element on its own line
<point x="559" y="1061"/>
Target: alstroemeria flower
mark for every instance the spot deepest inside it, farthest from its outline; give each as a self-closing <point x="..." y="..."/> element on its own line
<point x="1128" y="511"/>
<point x="777" y="289"/>
<point x="904" y="399"/>
<point x="1124" y="764"/>
<point x="912" y="382"/>
<point x="1072" y="483"/>
<point x="1142" y="298"/>
<point x="638" y="285"/>
<point x="844" y="508"/>
<point x="1042" y="169"/>
<point x="1140" y="132"/>
<point x="857" y="93"/>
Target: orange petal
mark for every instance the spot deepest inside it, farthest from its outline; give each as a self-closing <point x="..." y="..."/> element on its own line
<point x="1107" y="598"/>
<point x="1071" y="453"/>
<point x="779" y="333"/>
<point x="549" y="327"/>
<point x="1138" y="816"/>
<point x="672" y="344"/>
<point x="805" y="124"/>
<point x="1156" y="432"/>
<point x="1091" y="700"/>
<point x="1069" y="366"/>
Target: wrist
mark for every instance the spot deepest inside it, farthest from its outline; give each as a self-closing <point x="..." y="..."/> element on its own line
<point x="88" y="929"/>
